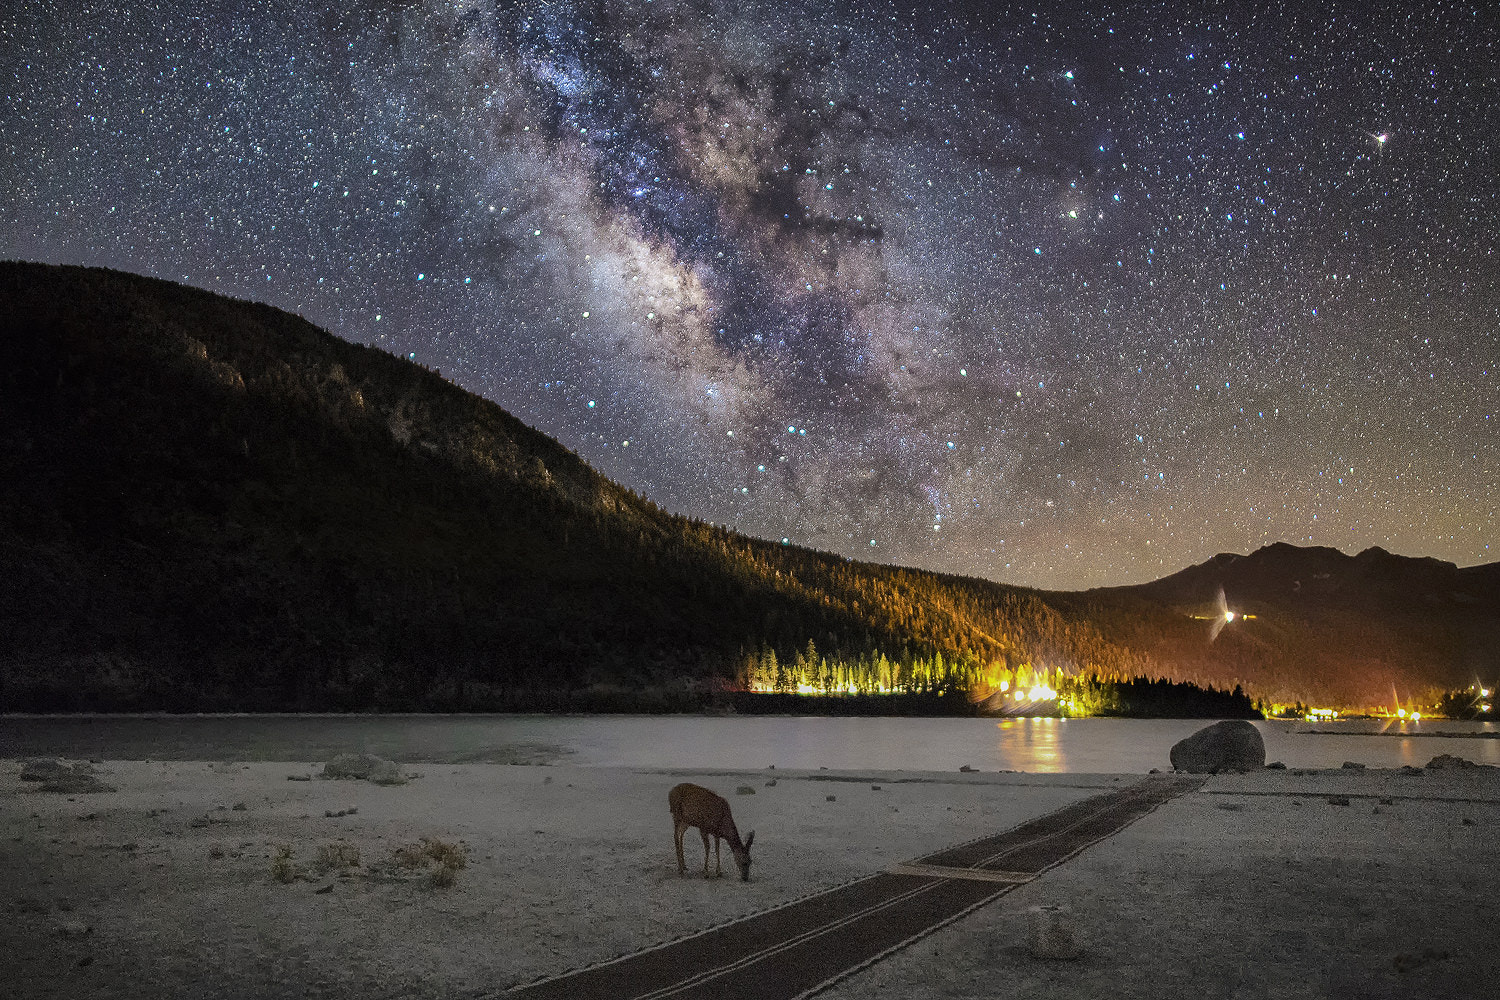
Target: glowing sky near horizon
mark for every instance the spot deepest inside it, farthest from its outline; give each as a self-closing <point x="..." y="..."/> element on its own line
<point x="1063" y="299"/>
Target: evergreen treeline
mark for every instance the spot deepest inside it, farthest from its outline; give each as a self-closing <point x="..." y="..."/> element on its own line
<point x="1145" y="698"/>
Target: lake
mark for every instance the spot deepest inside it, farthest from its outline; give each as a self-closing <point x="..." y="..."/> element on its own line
<point x="716" y="743"/>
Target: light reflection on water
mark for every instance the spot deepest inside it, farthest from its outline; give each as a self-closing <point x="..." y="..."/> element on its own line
<point x="733" y="742"/>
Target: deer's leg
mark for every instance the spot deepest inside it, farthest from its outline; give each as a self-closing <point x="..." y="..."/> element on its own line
<point x="705" y="852"/>
<point x="680" y="829"/>
<point x="718" y="865"/>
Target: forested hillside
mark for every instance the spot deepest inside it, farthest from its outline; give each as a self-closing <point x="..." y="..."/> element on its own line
<point x="208" y="504"/>
<point x="212" y="504"/>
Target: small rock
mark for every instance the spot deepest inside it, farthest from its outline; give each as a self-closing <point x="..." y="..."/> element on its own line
<point x="744" y="790"/>
<point x="1154" y="770"/>
<point x="874" y="788"/>
<point x="771" y="783"/>
<point x="547" y="780"/>
<point x="1350" y="765"/>
<point x="1276" y="765"/>
<point x="1387" y="802"/>
<point x="74" y="929"/>
<point x="1052" y="933"/>
<point x="966" y="769"/>
<point x="216" y="852"/>
<point x="1409" y="770"/>
<point x="1376" y="811"/>
<point x="299" y="777"/>
<point x="86" y="960"/>
<point x="199" y="823"/>
<point x="323" y="891"/>
<point x="1230" y="806"/>
<point x="239" y="807"/>
<point x="1338" y="800"/>
<point x="830" y="798"/>
<point x="1468" y="821"/>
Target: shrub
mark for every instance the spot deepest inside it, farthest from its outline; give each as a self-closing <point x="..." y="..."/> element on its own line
<point x="283" y="868"/>
<point x="339" y="856"/>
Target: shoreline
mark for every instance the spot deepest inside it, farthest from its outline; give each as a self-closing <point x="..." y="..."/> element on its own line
<point x="169" y="881"/>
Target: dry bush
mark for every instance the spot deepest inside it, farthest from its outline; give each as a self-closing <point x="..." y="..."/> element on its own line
<point x="411" y="856"/>
<point x="283" y="868"/>
<point x="339" y="855"/>
<point x="449" y="859"/>
<point x="445" y="854"/>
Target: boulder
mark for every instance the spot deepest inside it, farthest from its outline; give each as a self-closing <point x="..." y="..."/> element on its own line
<point x="1232" y="745"/>
<point x="74" y="783"/>
<point x="364" y="767"/>
<point x="1447" y="760"/>
<point x="43" y="769"/>
<point x="387" y="772"/>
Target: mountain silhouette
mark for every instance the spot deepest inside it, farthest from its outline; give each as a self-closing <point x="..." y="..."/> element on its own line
<point x="211" y="504"/>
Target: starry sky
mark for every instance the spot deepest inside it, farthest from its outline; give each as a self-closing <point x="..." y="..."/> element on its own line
<point x="1064" y="296"/>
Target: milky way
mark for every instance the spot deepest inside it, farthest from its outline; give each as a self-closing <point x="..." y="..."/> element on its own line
<point x="1064" y="299"/>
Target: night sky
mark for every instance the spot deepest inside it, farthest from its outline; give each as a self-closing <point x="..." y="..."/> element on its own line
<point x="1064" y="299"/>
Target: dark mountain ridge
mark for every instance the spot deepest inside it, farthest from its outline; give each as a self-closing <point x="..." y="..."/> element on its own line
<point x="1373" y="629"/>
<point x="210" y="504"/>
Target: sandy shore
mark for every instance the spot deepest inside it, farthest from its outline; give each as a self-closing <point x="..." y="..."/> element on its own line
<point x="1255" y="886"/>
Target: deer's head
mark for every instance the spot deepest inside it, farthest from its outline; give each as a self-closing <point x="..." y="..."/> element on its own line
<point x="742" y="857"/>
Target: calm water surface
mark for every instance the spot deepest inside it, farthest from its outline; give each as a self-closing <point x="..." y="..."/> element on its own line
<point x="1076" y="745"/>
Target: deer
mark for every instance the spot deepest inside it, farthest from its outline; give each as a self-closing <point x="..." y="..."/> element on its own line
<point x="694" y="805"/>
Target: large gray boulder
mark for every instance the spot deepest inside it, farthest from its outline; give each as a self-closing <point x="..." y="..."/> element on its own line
<point x="364" y="767"/>
<point x="1233" y="745"/>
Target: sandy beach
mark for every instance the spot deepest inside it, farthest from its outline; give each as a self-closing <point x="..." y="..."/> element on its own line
<point x="228" y="879"/>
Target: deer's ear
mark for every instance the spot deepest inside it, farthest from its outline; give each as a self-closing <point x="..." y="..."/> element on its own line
<point x="749" y="840"/>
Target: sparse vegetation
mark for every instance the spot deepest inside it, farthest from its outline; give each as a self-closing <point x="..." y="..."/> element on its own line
<point x="448" y="859"/>
<point x="338" y="856"/>
<point x="283" y="868"/>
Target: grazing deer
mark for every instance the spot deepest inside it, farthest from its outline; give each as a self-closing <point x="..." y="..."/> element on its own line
<point x="694" y="805"/>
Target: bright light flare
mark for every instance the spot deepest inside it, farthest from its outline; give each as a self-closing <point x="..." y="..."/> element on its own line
<point x="1039" y="692"/>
